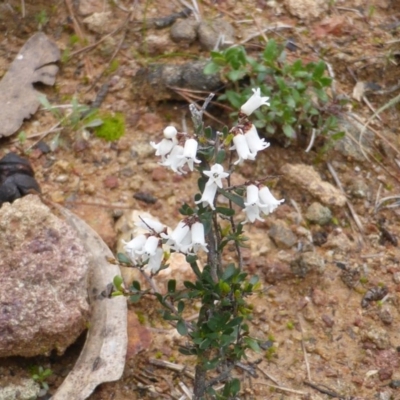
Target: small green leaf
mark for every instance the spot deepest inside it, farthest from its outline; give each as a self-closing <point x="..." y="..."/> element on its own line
<point x="252" y="344"/>
<point x="181" y="327"/>
<point x="135" y="298"/>
<point x="171" y="285"/>
<point x="135" y="286"/>
<point x="233" y="197"/>
<point x="288" y="131"/>
<point x="123" y="258"/>
<point x="181" y="306"/>
<point x="118" y="281"/>
<point x="211" y="68"/>
<point x="229" y="212"/>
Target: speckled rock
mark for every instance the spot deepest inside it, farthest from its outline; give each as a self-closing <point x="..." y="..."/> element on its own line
<point x="99" y="22"/>
<point x="184" y="31"/>
<point x="318" y="214"/>
<point x="307" y="262"/>
<point x="27" y="389"/>
<point x="308" y="179"/>
<point x="211" y="32"/>
<point x="306" y="9"/>
<point x="43" y="275"/>
<point x="378" y="336"/>
<point x="282" y="235"/>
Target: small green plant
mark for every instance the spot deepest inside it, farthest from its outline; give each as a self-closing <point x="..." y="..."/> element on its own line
<point x="112" y="127"/>
<point x="42" y="19"/>
<point x="40" y="375"/>
<point x="298" y="95"/>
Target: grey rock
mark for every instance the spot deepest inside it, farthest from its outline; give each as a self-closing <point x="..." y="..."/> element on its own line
<point x="154" y="83"/>
<point x="43" y="273"/>
<point x="27" y="389"/>
<point x="318" y="214"/>
<point x="211" y="32"/>
<point x="184" y="31"/>
<point x="306" y="263"/>
<point x="282" y="235"/>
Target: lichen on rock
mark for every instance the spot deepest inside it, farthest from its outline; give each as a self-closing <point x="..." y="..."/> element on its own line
<point x="44" y="273"/>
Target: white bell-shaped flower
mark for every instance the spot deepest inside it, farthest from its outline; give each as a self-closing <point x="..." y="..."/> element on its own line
<point x="252" y="208"/>
<point x="254" y="141"/>
<point x="163" y="148"/>
<point x="254" y="102"/>
<point x="242" y="148"/>
<point x="150" y="224"/>
<point x="189" y="155"/>
<point x="179" y="239"/>
<point x="154" y="263"/>
<point x="268" y="203"/>
<point x="149" y="248"/>
<point x="174" y="161"/>
<point x="208" y="196"/>
<point x="170" y="132"/>
<point x="134" y="246"/>
<point x="215" y="175"/>
<point x="198" y="239"/>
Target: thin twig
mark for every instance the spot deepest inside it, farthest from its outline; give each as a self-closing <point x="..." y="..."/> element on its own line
<point x="312" y="140"/>
<point x="268" y="376"/>
<point x="304" y="349"/>
<point x="172" y="366"/>
<point x="284" y="389"/>
<point x="185" y="390"/>
<point x="324" y="391"/>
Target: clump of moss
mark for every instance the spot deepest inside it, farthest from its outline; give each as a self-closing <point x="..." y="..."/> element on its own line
<point x="112" y="128"/>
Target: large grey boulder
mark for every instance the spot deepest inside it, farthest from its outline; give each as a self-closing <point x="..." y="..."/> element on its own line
<point x="44" y="275"/>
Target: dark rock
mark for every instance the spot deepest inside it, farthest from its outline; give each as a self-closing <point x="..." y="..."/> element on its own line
<point x="43" y="273"/>
<point x="155" y="82"/>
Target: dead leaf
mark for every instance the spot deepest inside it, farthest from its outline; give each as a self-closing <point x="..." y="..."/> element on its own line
<point x="329" y="26"/>
<point x="103" y="356"/>
<point x="18" y="98"/>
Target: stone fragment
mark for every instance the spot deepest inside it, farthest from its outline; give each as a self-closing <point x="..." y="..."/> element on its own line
<point x="318" y="214"/>
<point x="378" y="336"/>
<point x="26" y="389"/>
<point x="310" y="181"/>
<point x="43" y="273"/>
<point x="306" y="9"/>
<point x="282" y="235"/>
<point x="184" y="31"/>
<point x="216" y="32"/>
<point x="99" y="22"/>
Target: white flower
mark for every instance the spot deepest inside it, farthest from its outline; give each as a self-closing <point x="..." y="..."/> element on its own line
<point x="253" y="140"/>
<point x="208" y="196"/>
<point x="189" y="154"/>
<point x="174" y="161"/>
<point x="179" y="239"/>
<point x="150" y="224"/>
<point x="215" y="175"/>
<point x="132" y="247"/>
<point x="252" y="208"/>
<point x="170" y="132"/>
<point x="163" y="148"/>
<point x="254" y="102"/>
<point x="155" y="260"/>
<point x="198" y="240"/>
<point x="150" y="247"/>
<point x="242" y="148"/>
<point x="268" y="203"/>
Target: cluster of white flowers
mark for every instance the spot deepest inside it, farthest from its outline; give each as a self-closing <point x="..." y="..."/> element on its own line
<point x="187" y="237"/>
<point x="173" y="155"/>
<point x="177" y="150"/>
<point x="147" y="248"/>
<point x="259" y="200"/>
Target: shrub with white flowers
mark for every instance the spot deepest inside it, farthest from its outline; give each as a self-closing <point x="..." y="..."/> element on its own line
<point x="220" y="336"/>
